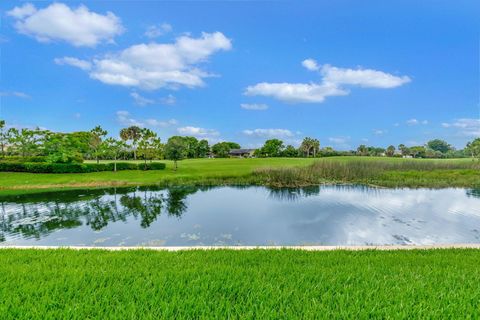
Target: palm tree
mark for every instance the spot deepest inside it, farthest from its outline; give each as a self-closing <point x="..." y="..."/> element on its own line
<point x="133" y="133"/>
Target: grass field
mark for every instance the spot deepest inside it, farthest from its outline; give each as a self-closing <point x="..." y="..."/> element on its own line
<point x="256" y="284"/>
<point x="237" y="171"/>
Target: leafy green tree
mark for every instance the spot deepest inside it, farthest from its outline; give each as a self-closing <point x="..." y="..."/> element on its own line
<point x="390" y="152"/>
<point x="290" y="152"/>
<point x="439" y="145"/>
<point x="310" y="146"/>
<point x="113" y="147"/>
<point x="176" y="150"/>
<point x="404" y="150"/>
<point x="418" y="151"/>
<point x="192" y="146"/>
<point x="3" y="137"/>
<point x="272" y="148"/>
<point x="26" y="142"/>
<point x="203" y="148"/>
<point x="222" y="149"/>
<point x="362" y="150"/>
<point x="473" y="148"/>
<point x="149" y="145"/>
<point x="96" y="139"/>
<point x="66" y="147"/>
<point x="133" y="134"/>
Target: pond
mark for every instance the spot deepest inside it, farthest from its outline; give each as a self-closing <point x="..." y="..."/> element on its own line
<point x="192" y="216"/>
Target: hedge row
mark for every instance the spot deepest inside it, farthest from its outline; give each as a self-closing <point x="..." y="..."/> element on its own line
<point x="36" y="167"/>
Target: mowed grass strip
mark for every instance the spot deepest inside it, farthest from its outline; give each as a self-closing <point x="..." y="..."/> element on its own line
<point x="219" y="284"/>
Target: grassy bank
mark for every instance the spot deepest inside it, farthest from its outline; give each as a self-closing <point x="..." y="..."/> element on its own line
<point x="394" y="173"/>
<point x="261" y="284"/>
<point x="382" y="172"/>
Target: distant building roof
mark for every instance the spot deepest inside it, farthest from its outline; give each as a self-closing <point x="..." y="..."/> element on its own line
<point x="241" y="151"/>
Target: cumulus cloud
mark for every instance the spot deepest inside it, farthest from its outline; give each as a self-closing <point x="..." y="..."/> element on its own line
<point x="125" y="119"/>
<point x="414" y="122"/>
<point x="82" y="64"/>
<point x="198" y="132"/>
<point x="58" y="22"/>
<point x="269" y="133"/>
<point x="254" y="106"/>
<point x="310" y="64"/>
<point x="367" y="78"/>
<point x="466" y="126"/>
<point x="296" y="92"/>
<point x="159" y="65"/>
<point x="334" y="82"/>
<point x="17" y="94"/>
<point x="141" y="100"/>
<point x="155" y="31"/>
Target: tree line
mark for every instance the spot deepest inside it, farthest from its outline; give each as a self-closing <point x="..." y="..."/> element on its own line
<point x="144" y="144"/>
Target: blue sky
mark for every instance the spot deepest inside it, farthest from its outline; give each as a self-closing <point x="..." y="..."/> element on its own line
<point x="345" y="72"/>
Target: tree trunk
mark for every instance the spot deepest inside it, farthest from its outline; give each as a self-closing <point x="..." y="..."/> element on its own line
<point x="175" y="165"/>
<point x="115" y="164"/>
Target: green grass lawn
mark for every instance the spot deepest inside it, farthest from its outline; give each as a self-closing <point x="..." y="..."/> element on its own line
<point x="258" y="284"/>
<point x="227" y="171"/>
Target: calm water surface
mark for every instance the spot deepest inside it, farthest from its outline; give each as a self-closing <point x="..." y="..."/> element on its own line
<point x="186" y="216"/>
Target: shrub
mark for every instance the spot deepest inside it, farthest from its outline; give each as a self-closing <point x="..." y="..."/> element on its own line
<point x="152" y="166"/>
<point x="24" y="159"/>
<point x="44" y="167"/>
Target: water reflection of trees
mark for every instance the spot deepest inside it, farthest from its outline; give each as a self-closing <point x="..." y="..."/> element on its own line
<point x="295" y="194"/>
<point x="47" y="213"/>
<point x="474" y="192"/>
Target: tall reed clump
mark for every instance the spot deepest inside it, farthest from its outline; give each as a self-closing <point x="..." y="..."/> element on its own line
<point x="350" y="171"/>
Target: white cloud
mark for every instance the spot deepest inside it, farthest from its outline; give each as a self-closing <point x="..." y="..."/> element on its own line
<point x="155" y="31"/>
<point x="254" y="106"/>
<point x="159" y="65"/>
<point x="17" y="94"/>
<point x="140" y="100"/>
<point x="310" y="64"/>
<point x="198" y="132"/>
<point x="333" y="83"/>
<point x="168" y="100"/>
<point x="82" y="64"/>
<point x="379" y="132"/>
<point x="161" y="124"/>
<point x="367" y="78"/>
<point x="414" y="122"/>
<point x="58" y="22"/>
<point x="466" y="126"/>
<point x="269" y="133"/>
<point x="125" y="119"/>
<point x="295" y="92"/>
<point x="21" y="12"/>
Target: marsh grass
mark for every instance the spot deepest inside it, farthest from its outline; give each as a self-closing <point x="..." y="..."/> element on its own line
<point x="362" y="171"/>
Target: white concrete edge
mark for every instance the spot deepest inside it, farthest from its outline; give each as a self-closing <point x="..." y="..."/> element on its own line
<point x="304" y="248"/>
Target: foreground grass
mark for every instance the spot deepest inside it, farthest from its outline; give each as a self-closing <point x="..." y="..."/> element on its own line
<point x="424" y="173"/>
<point x="261" y="284"/>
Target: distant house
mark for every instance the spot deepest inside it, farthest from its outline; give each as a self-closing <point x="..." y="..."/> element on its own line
<point x="241" y="153"/>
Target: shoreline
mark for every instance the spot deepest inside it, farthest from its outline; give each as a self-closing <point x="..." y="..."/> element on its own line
<point x="266" y="248"/>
